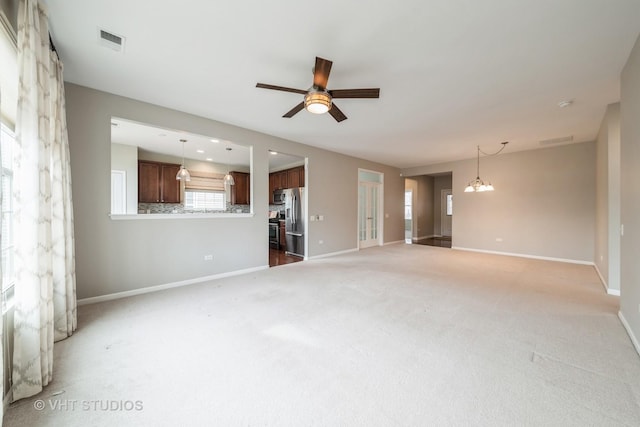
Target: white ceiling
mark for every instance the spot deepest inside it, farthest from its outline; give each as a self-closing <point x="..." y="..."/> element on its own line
<point x="452" y="73"/>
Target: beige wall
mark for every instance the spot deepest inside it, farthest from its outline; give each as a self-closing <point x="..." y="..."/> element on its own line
<point x="630" y="193"/>
<point x="115" y="256"/>
<point x="543" y="205"/>
<point x="607" y="233"/>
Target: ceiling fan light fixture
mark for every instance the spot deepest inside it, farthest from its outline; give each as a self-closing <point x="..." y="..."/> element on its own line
<point x="317" y="102"/>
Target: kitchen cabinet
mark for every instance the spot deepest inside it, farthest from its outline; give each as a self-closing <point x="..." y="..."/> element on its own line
<point x="278" y="180"/>
<point x="288" y="178"/>
<point x="241" y="190"/>
<point x="295" y="177"/>
<point x="157" y="182"/>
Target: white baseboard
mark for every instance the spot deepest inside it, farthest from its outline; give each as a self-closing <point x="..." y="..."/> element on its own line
<point x="610" y="291"/>
<point x="634" y="340"/>
<point x="604" y="282"/>
<point x="149" y="289"/>
<point x="395" y="242"/>
<point x="334" y="253"/>
<point x="570" y="261"/>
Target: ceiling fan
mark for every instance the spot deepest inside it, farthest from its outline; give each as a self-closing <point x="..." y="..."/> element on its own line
<point x="318" y="99"/>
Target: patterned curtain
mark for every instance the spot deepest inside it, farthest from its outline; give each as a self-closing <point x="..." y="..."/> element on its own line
<point x="45" y="300"/>
<point x="1" y="299"/>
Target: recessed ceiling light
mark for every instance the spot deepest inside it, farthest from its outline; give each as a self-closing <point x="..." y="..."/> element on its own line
<point x="209" y="159"/>
<point x="565" y="103"/>
<point x="200" y="151"/>
<point x="273" y="153"/>
<point x="215" y="140"/>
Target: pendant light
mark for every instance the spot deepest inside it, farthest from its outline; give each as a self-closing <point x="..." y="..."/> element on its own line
<point x="183" y="174"/>
<point x="478" y="185"/>
<point x="228" y="178"/>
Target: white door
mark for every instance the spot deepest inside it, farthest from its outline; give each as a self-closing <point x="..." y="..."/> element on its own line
<point x="369" y="214"/>
<point x="408" y="216"/>
<point x="446" y="212"/>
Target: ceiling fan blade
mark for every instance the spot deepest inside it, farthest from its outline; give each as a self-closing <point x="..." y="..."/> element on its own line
<point x="355" y="93"/>
<point x="337" y="113"/>
<point x="321" y="73"/>
<point x="282" y="88"/>
<point x="295" y="110"/>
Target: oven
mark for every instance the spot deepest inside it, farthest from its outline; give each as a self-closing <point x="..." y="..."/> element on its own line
<point x="274" y="234"/>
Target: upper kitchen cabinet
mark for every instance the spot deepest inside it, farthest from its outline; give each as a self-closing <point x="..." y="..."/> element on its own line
<point x="157" y="182"/>
<point x="241" y="190"/>
<point x="295" y="177"/>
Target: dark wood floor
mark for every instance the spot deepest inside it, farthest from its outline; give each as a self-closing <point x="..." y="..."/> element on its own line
<point x="277" y="257"/>
<point x="443" y="242"/>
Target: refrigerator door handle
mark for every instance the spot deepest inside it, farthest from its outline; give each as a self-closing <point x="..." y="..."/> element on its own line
<point x="294" y="215"/>
<point x="291" y="233"/>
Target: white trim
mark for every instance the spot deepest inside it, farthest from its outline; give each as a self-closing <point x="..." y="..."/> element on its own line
<point x="395" y="242"/>
<point x="604" y="282"/>
<point x="181" y="216"/>
<point x="8" y="29"/>
<point x="334" y="253"/>
<point x="633" y="338"/>
<point x="570" y="261"/>
<point x="150" y="289"/>
<point x="609" y="290"/>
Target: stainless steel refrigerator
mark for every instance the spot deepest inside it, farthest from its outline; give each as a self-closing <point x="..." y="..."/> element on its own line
<point x="294" y="216"/>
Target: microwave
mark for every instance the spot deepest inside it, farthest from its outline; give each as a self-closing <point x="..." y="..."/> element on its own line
<point x="278" y="197"/>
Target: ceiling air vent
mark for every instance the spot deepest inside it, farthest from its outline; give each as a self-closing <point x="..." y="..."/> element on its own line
<point x="110" y="40"/>
<point x="557" y="140"/>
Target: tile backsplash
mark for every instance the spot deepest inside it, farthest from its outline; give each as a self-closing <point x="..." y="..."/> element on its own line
<point x="178" y="208"/>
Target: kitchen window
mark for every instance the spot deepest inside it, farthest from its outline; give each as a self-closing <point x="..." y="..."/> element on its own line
<point x="204" y="200"/>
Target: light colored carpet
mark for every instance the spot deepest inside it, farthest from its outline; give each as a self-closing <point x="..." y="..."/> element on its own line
<point x="404" y="335"/>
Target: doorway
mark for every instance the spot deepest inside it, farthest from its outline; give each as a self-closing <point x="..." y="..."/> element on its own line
<point x="369" y="208"/>
<point x="446" y="212"/>
<point x="408" y="216"/>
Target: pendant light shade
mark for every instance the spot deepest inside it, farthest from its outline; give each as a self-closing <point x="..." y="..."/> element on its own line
<point x="183" y="174"/>
<point x="228" y="178"/>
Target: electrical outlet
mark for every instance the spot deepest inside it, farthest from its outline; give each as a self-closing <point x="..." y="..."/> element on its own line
<point x="208" y="257"/>
<point x="320" y="217"/>
<point x="498" y="239"/>
<point x="312" y="218"/>
<point x="320" y="242"/>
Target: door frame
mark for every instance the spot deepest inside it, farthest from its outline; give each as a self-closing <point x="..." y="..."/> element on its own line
<point x="380" y="207"/>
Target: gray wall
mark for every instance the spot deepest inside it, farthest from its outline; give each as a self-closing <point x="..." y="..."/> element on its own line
<point x="115" y="256"/>
<point x="630" y="192"/>
<point x="543" y="205"/>
<point x="607" y="233"/>
<point x="425" y="207"/>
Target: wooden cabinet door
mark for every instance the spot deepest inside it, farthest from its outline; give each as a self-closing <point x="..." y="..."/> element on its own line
<point x="241" y="191"/>
<point x="170" y="186"/>
<point x="148" y="182"/>
<point x="295" y="177"/>
<point x="284" y="179"/>
<point x="273" y="185"/>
